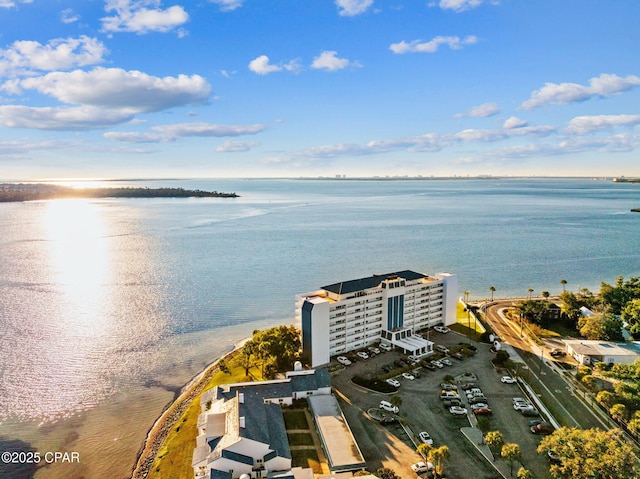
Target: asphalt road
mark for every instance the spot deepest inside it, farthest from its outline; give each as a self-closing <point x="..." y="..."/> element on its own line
<point x="555" y="390"/>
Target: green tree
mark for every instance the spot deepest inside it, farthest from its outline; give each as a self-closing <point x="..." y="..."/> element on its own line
<point x="222" y="365"/>
<point x="438" y="456"/>
<point x="591" y="327"/>
<point x="618" y="412"/>
<point x="612" y="328"/>
<point x="631" y="315"/>
<point x="570" y="305"/>
<point x="423" y="449"/>
<point x="563" y="282"/>
<point x="386" y="473"/>
<point x="545" y="295"/>
<point x="532" y="310"/>
<point x="616" y="297"/>
<point x="634" y="427"/>
<point x="589" y="381"/>
<point x="606" y="398"/>
<point x="524" y="473"/>
<point x="493" y="290"/>
<point x="396" y="400"/>
<point x="494" y="439"/>
<point x="511" y="452"/>
<point x="591" y="453"/>
<point x="530" y="290"/>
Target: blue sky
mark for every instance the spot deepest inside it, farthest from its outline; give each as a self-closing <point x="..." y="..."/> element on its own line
<point x="237" y="88"/>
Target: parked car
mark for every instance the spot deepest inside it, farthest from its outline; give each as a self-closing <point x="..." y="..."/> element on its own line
<point x="541" y="428"/>
<point x="408" y="376"/>
<point x="452" y="402"/>
<point x="448" y="394"/>
<point x="557" y="353"/>
<point x="387" y="406"/>
<point x="529" y="411"/>
<point x="386" y="347"/>
<point x="374" y="350"/>
<point x="429" y="366"/>
<point x="446" y="362"/>
<point x="457" y="356"/>
<point x="479" y="405"/>
<point x="437" y="364"/>
<point x="442" y="349"/>
<point x="482" y="411"/>
<point x="508" y="380"/>
<point x="518" y="406"/>
<point x="362" y="354"/>
<point x="553" y="457"/>
<point x="477" y="400"/>
<point x="394" y="382"/>
<point x="457" y="410"/>
<point x="519" y="400"/>
<point x="441" y="329"/>
<point x="343" y="360"/>
<point x="425" y="438"/>
<point x="420" y="467"/>
<point x="448" y="386"/>
<point x="468" y="385"/>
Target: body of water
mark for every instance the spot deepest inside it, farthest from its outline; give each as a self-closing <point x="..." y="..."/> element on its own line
<point x="108" y="306"/>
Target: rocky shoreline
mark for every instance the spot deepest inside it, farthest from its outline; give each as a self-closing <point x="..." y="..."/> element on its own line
<point x="160" y="429"/>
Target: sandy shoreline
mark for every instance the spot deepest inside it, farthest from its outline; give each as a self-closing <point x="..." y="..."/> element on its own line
<point x="161" y="427"/>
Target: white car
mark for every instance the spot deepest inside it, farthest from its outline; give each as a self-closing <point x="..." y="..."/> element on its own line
<point x="508" y="380"/>
<point x="394" y="382"/>
<point x="420" y="467"/>
<point x="457" y="410"/>
<point x="343" y="360"/>
<point x="480" y="405"/>
<point x="446" y="362"/>
<point x="437" y="364"/>
<point x="519" y="406"/>
<point x="362" y="354"/>
<point x="408" y="376"/>
<point x="441" y="329"/>
<point x="387" y="406"/>
<point x="425" y="438"/>
<point x="374" y="350"/>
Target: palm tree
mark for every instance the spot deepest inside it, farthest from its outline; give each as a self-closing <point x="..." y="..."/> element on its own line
<point x="511" y="452"/>
<point x="530" y="291"/>
<point x="466" y="296"/>
<point x="438" y="456"/>
<point x="493" y="290"/>
<point x="423" y="449"/>
<point x="563" y="282"/>
<point x="545" y="294"/>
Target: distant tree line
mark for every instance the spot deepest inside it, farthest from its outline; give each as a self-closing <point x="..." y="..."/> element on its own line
<point x="31" y="192"/>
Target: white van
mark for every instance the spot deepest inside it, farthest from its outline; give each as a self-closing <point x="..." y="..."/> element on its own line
<point x="385" y="346"/>
<point x="442" y="349"/>
<point x="387" y="406"/>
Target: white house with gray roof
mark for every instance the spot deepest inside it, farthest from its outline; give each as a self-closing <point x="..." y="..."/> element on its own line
<point x="591" y="352"/>
<point x="390" y="308"/>
<point x="241" y="428"/>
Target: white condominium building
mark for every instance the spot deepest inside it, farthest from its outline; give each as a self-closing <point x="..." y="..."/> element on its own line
<point x="389" y="308"/>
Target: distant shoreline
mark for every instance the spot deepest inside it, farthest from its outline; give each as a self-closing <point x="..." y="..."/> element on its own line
<point x="19" y="192"/>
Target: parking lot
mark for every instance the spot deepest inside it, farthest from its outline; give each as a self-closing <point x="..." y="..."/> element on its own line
<point x="389" y="446"/>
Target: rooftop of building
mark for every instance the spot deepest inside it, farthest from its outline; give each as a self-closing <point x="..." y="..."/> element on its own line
<point x="361" y="284"/>
<point x="604" y="348"/>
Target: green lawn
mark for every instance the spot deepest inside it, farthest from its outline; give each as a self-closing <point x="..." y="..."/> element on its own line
<point x="174" y="456"/>
<point x="295" y="420"/>
<point x="306" y="458"/>
<point x="300" y="439"/>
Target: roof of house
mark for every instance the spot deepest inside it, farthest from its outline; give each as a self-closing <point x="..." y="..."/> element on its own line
<point x="603" y="348"/>
<point x="369" y="282"/>
<point x="306" y="381"/>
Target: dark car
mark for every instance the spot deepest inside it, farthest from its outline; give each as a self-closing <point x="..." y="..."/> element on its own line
<point x="477" y="399"/>
<point x="541" y="428"/>
<point x="557" y="353"/>
<point x="483" y="411"/>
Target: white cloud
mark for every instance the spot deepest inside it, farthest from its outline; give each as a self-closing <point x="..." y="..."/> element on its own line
<point x="565" y="93"/>
<point x="134" y="16"/>
<point x="135" y="137"/>
<point x="209" y="129"/>
<point x="582" y="125"/>
<point x="61" y="119"/>
<point x="328" y="60"/>
<point x="350" y="8"/>
<point x="167" y="133"/>
<point x="481" y="111"/>
<point x="460" y="5"/>
<point x="418" y="46"/>
<point x="11" y="3"/>
<point x="25" y="57"/>
<point x="228" y="5"/>
<point x="69" y="16"/>
<point x="117" y="89"/>
<point x="514" y="122"/>
<point x="261" y="66"/>
<point x="231" y="146"/>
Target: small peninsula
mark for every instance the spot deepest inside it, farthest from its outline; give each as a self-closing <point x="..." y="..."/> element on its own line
<point x="10" y="192"/>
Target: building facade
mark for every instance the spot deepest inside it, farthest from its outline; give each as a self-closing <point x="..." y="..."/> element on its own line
<point x="388" y="308"/>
